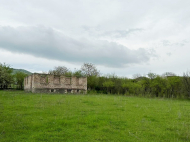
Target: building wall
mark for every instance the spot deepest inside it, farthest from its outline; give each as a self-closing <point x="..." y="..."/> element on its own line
<point x="28" y="83"/>
<point x="45" y="83"/>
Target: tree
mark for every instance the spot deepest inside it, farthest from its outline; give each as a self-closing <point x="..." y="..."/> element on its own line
<point x="145" y="85"/>
<point x="137" y="75"/>
<point x="173" y="86"/>
<point x="158" y="86"/>
<point x="78" y="73"/>
<point x="131" y="87"/>
<point x="19" y="76"/>
<point x="89" y="69"/>
<point x="109" y="85"/>
<point x="92" y="82"/>
<point x="6" y="77"/>
<point x="152" y="75"/>
<point x="186" y="83"/>
<point x="60" y="70"/>
<point x="168" y="74"/>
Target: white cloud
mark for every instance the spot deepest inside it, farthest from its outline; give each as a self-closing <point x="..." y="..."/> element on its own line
<point x="111" y="34"/>
<point x="50" y="44"/>
<point x="31" y="63"/>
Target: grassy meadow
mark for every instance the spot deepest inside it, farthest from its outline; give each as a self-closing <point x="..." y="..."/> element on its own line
<point x="88" y="118"/>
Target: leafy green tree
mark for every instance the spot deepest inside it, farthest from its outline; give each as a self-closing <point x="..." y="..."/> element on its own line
<point x="92" y="82"/>
<point x="145" y="85"/>
<point x="89" y="69"/>
<point x="60" y="70"/>
<point x="186" y="84"/>
<point x="78" y="73"/>
<point x="6" y="77"/>
<point x="118" y="85"/>
<point x="131" y="87"/>
<point x="158" y="86"/>
<point x="116" y="89"/>
<point x="19" y="77"/>
<point x="173" y="86"/>
<point x="100" y="81"/>
<point x="109" y="85"/>
<point x="152" y="75"/>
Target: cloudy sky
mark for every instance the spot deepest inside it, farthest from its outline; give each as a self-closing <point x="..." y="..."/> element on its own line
<point x="124" y="37"/>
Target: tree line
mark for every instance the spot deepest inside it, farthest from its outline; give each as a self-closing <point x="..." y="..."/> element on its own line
<point x="166" y="85"/>
<point x="10" y="80"/>
<point x="158" y="86"/>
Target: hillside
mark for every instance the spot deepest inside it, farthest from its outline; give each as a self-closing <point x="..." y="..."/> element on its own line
<point x="21" y="70"/>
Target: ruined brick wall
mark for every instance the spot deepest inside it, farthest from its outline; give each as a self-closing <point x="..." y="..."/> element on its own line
<point x="52" y="83"/>
<point x="28" y="83"/>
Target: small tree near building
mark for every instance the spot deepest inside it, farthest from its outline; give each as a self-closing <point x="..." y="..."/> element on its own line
<point x="60" y="70"/>
<point x="6" y="77"/>
<point x="89" y="69"/>
<point x="19" y="77"/>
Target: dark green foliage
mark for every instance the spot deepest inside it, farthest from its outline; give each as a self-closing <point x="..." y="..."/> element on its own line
<point x="6" y="77"/>
<point x="158" y="86"/>
<point x="154" y="86"/>
<point x="12" y="78"/>
<point x="68" y="74"/>
<point x="109" y="85"/>
<point x="78" y="73"/>
<point x="145" y="85"/>
<point x="186" y="84"/>
<point x="19" y="79"/>
<point x="168" y="85"/>
<point x="174" y="86"/>
<point x="92" y="82"/>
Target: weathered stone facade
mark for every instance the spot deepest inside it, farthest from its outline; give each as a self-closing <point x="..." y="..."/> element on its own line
<point x="47" y="83"/>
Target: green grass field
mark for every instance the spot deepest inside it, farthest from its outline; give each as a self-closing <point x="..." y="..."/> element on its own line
<point x="87" y="118"/>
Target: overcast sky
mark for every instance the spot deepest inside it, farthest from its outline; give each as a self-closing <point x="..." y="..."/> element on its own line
<point x="124" y="37"/>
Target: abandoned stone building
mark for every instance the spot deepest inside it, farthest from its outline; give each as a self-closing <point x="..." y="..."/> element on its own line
<point x="47" y="83"/>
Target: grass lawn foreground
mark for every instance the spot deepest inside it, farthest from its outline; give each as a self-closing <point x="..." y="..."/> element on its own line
<point x="88" y="118"/>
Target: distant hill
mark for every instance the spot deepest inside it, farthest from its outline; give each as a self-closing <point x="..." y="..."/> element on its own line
<point x="21" y="70"/>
